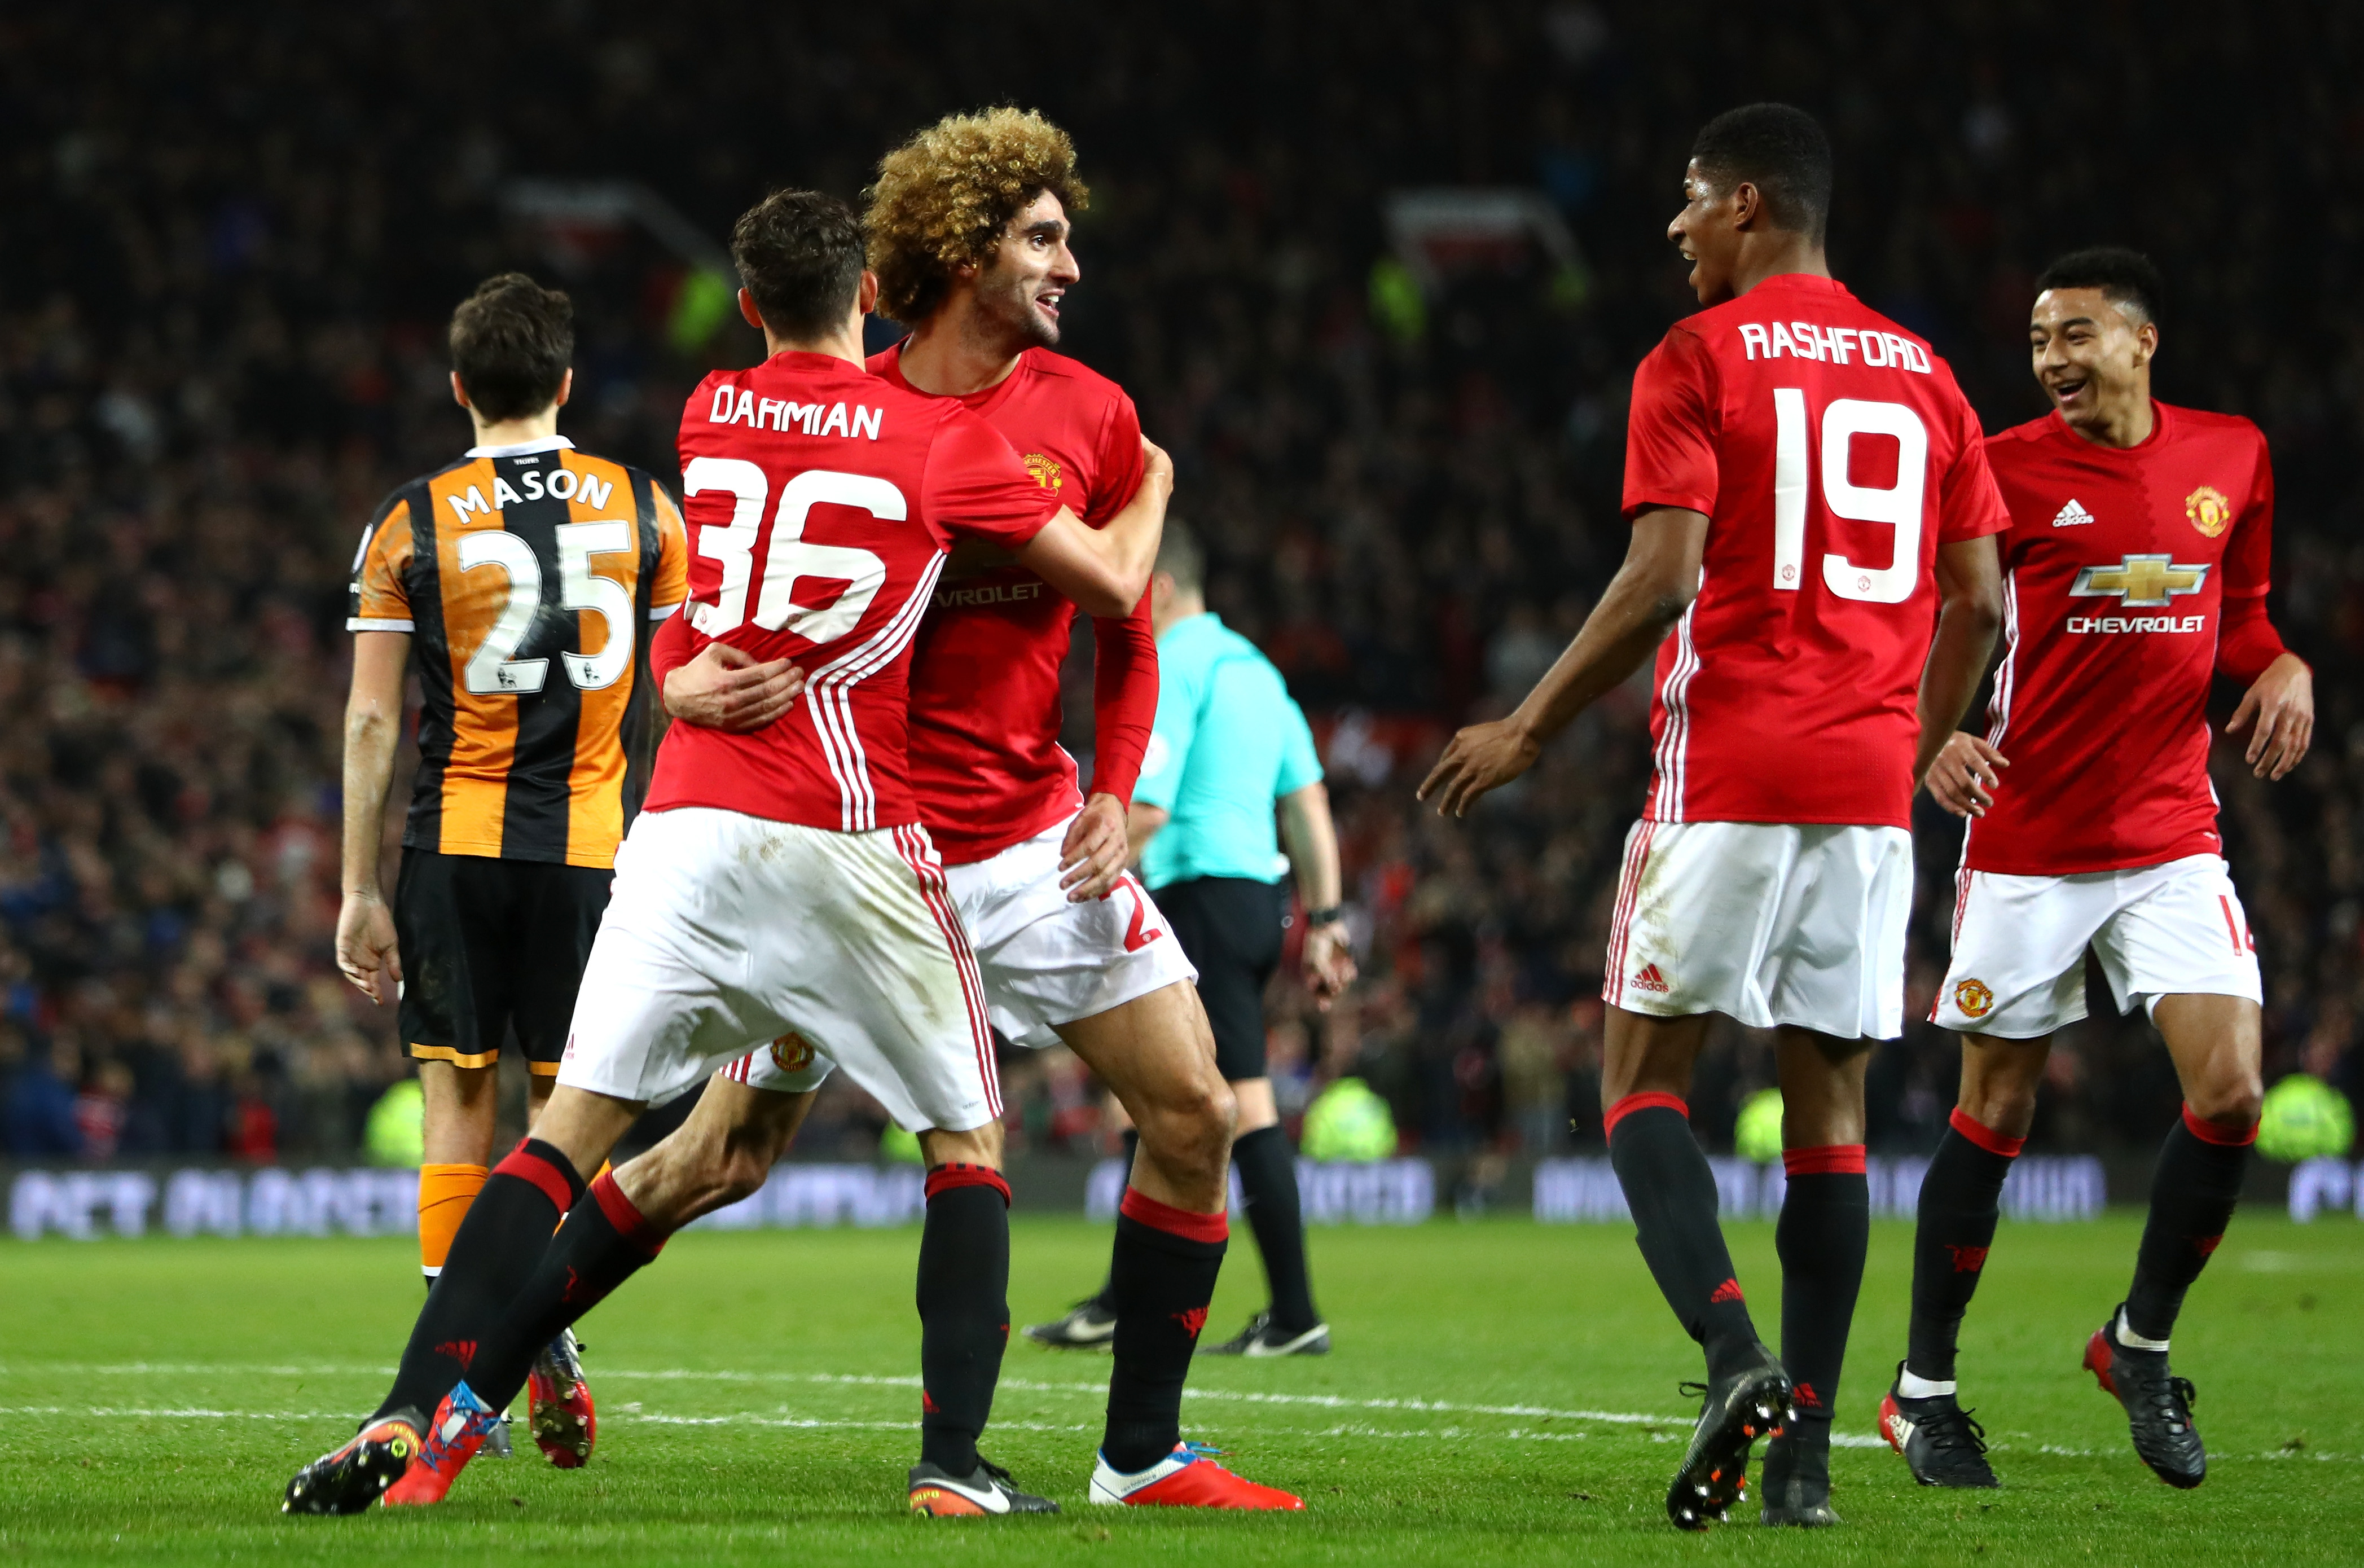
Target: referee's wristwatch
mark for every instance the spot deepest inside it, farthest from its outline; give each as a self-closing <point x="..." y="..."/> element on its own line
<point x="1326" y="916"/>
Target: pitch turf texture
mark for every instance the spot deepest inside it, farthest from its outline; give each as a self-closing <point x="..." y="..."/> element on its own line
<point x="1502" y="1393"/>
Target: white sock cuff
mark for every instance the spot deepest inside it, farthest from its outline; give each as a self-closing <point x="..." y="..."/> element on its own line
<point x="1913" y="1387"/>
<point x="2133" y="1341"/>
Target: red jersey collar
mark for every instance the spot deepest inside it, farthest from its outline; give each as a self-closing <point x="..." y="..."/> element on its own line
<point x="804" y="362"/>
<point x="890" y="366"/>
<point x="1799" y="283"/>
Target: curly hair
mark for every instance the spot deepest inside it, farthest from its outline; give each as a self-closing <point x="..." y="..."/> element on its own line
<point x="943" y="198"/>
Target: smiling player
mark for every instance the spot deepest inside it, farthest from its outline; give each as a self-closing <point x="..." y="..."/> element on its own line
<point x="2140" y="540"/>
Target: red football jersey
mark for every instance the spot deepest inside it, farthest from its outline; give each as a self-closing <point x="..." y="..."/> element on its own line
<point x="821" y="503"/>
<point x="2123" y="564"/>
<point x="1831" y="454"/>
<point x="985" y="757"/>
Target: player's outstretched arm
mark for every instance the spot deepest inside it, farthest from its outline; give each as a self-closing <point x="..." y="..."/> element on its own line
<point x="1649" y="594"/>
<point x="1960" y="769"/>
<point x="365" y="945"/>
<point x="1105" y="571"/>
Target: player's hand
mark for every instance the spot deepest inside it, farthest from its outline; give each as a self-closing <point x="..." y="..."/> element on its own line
<point x="1964" y="776"/>
<point x="1155" y="465"/>
<point x="1329" y="963"/>
<point x="2279" y="715"/>
<point x="1480" y="758"/>
<point x="1092" y="857"/>
<point x="365" y="947"/>
<point x="724" y="688"/>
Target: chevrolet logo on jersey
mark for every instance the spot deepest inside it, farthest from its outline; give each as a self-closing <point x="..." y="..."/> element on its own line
<point x="2140" y="581"/>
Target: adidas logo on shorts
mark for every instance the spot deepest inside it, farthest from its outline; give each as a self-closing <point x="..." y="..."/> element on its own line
<point x="1647" y="978"/>
<point x="2071" y="515"/>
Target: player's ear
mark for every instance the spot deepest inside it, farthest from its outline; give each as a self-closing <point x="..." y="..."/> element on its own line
<point x="458" y="392"/>
<point x="565" y="388"/>
<point x="866" y="298"/>
<point x="747" y="311"/>
<point x="2146" y="343"/>
<point x="1747" y="204"/>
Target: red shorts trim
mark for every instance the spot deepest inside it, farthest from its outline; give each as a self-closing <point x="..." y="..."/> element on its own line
<point x="2217" y="1133"/>
<point x="1985" y="1137"/>
<point x="1828" y="1160"/>
<point x="1175" y="1222"/>
<point x="944" y="1178"/>
<point x="1633" y="1103"/>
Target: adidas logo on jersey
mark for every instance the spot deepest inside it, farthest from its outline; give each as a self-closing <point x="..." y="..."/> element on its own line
<point x="1647" y="978"/>
<point x="2068" y="517"/>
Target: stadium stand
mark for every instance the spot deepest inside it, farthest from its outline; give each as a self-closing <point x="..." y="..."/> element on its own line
<point x="236" y="230"/>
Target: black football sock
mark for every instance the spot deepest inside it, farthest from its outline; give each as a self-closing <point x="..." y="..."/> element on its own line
<point x="1671" y="1192"/>
<point x="963" y="1310"/>
<point x="602" y="1243"/>
<point x="1961" y="1199"/>
<point x="1824" y="1230"/>
<point x="1165" y="1263"/>
<point x="1268" y="1183"/>
<point x="506" y="1231"/>
<point x="2191" y="1198"/>
<point x="1107" y="1298"/>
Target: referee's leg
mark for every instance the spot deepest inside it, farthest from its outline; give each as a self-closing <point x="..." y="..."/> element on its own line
<point x="1229" y="929"/>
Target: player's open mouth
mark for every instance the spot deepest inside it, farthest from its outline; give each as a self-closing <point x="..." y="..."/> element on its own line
<point x="2067" y="391"/>
<point x="1049" y="304"/>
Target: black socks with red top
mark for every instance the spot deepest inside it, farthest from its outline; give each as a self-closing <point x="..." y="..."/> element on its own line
<point x="1671" y="1193"/>
<point x="1160" y="1281"/>
<point x="2192" y="1194"/>
<point x="1961" y="1198"/>
<point x="1823" y="1235"/>
<point x="498" y="1245"/>
<point x="963" y="1310"/>
<point x="604" y="1242"/>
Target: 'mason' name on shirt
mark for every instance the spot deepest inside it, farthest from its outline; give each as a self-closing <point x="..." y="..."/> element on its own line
<point x="1837" y="345"/>
<point x="734" y="405"/>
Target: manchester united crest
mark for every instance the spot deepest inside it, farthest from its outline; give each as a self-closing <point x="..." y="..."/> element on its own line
<point x="1046" y="471"/>
<point x="791" y="1053"/>
<point x="2209" y="511"/>
<point x="1973" y="998"/>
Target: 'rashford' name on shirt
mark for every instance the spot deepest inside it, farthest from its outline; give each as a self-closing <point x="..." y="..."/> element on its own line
<point x="1834" y="345"/>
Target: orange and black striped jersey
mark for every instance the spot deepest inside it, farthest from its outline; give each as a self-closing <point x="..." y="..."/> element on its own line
<point x="525" y="573"/>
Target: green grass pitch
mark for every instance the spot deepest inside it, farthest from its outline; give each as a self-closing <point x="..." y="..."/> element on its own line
<point x="1502" y="1393"/>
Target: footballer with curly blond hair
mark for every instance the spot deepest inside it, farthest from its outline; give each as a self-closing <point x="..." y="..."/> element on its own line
<point x="967" y="234"/>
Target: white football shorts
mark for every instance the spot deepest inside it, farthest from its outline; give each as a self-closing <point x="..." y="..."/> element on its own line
<point x="1046" y="961"/>
<point x="1769" y="923"/>
<point x="2019" y="944"/>
<point x="726" y="931"/>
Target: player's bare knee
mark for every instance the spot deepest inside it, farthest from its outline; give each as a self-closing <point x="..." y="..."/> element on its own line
<point x="744" y="1171"/>
<point x="2229" y="1099"/>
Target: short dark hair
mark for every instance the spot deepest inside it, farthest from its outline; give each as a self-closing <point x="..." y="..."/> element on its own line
<point x="2127" y="279"/>
<point x="511" y="342"/>
<point x="1181" y="557"/>
<point x="799" y="253"/>
<point x="1779" y="150"/>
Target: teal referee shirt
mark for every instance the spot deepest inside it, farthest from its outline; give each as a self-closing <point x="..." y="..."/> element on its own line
<point x="1229" y="741"/>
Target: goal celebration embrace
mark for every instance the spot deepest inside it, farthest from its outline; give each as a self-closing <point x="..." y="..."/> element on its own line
<point x="1264" y="784"/>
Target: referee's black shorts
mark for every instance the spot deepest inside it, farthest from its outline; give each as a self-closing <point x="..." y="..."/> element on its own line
<point x="1229" y="929"/>
<point x="488" y="945"/>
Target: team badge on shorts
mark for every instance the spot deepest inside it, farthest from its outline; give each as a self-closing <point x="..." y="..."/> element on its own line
<point x="2209" y="511"/>
<point x="792" y="1053"/>
<point x="1972" y="998"/>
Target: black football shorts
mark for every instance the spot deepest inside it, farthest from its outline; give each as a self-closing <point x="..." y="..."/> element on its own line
<point x="1229" y="929"/>
<point x="488" y="945"/>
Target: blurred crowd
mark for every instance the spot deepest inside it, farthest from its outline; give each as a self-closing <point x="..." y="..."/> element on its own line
<point x="236" y="232"/>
